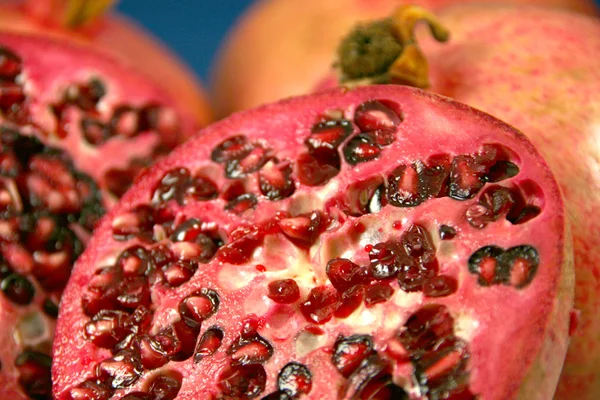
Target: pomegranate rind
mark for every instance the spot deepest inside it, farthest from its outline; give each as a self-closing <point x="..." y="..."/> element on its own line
<point x="509" y="341"/>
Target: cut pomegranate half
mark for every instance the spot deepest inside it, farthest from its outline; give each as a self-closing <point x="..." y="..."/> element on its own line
<point x="370" y="282"/>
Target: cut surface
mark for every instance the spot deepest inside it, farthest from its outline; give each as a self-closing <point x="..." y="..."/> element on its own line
<point x="75" y="130"/>
<point x="368" y="280"/>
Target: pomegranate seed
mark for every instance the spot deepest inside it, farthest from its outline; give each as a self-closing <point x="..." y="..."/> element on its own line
<point x="10" y="93"/>
<point x="467" y="177"/>
<point x="251" y="162"/>
<point x="94" y="131"/>
<point x="377" y="293"/>
<point x="385" y="259"/>
<point x="90" y="390"/>
<point x="349" y="352"/>
<point x="426" y="326"/>
<point x="486" y="265"/>
<point x="321" y="303"/>
<point x="240" y="250"/>
<point x="403" y="187"/>
<point x="361" y="148"/>
<point x="125" y="121"/>
<point x="377" y="115"/>
<point x="10" y="64"/>
<point x="107" y="328"/>
<point x="304" y="228"/>
<point x="121" y="371"/>
<point x="199" y="306"/>
<point x="285" y="291"/>
<point x="328" y="135"/>
<point x="440" y="286"/>
<point x="136" y="396"/>
<point x="209" y="343"/>
<point x="153" y="351"/>
<point x="313" y="171"/>
<point x="295" y="379"/>
<point x="275" y="180"/>
<point x="364" y="197"/>
<point x="173" y="186"/>
<point x="243" y="381"/>
<point x="242" y="203"/>
<point x="202" y="188"/>
<point x="434" y="178"/>
<point x="343" y="274"/>
<point x="179" y="272"/>
<point x="250" y="349"/>
<point x="502" y="170"/>
<point x="447" y="232"/>
<point x="351" y="299"/>
<point x="521" y="264"/>
<point x="34" y="373"/>
<point x="165" y="386"/>
<point x="17" y="289"/>
<point x="233" y="148"/>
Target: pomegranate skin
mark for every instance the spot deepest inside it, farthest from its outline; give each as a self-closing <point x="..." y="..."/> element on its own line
<point x="505" y="365"/>
<point x="119" y="37"/>
<point x="281" y="48"/>
<point x="55" y="78"/>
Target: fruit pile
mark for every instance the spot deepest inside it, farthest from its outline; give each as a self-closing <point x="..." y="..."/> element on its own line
<point x="373" y="238"/>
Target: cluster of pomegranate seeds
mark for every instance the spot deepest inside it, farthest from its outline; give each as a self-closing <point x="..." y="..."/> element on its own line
<point x="12" y="94"/>
<point x="241" y="271"/>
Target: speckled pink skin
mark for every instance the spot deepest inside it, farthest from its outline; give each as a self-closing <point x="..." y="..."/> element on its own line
<point x="518" y="338"/>
<point x="281" y="48"/>
<point x="48" y="67"/>
<point x="543" y="78"/>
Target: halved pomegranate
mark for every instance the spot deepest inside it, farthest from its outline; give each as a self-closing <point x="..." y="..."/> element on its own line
<point x="367" y="281"/>
<point x="75" y="130"/>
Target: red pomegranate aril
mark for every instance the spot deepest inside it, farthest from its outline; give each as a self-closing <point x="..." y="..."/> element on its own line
<point x="434" y="178"/>
<point x="242" y="203"/>
<point x="377" y="293"/>
<point x="361" y="148"/>
<point x="486" y="264"/>
<point x="520" y="263"/>
<point x="251" y="162"/>
<point x="350" y="300"/>
<point x="304" y="228"/>
<point x="173" y="186"/>
<point x="233" y="148"/>
<point x="370" y="373"/>
<point x="121" y="371"/>
<point x="179" y="272"/>
<point x="440" y="286"/>
<point x="199" y="306"/>
<point x="125" y="121"/>
<point x="240" y="250"/>
<point x="94" y="131"/>
<point x="136" y="396"/>
<point x="90" y="390"/>
<point x="403" y="187"/>
<point x="426" y="326"/>
<point x="285" y="291"/>
<point x="10" y="93"/>
<point x="165" y="386"/>
<point x="252" y="349"/>
<point x="10" y="64"/>
<point x="317" y="171"/>
<point x="133" y="293"/>
<point x="208" y="344"/>
<point x="107" y="328"/>
<point x="343" y="274"/>
<point x="385" y="259"/>
<point x="418" y="243"/>
<point x="202" y="188"/>
<point x="364" y="197"/>
<point x="153" y="353"/>
<point x="34" y="371"/>
<point x="17" y="289"/>
<point x="275" y="180"/>
<point x="350" y="352"/>
<point x="321" y="303"/>
<point x="243" y="381"/>
<point x="328" y="135"/>
<point x="467" y="177"/>
<point x="138" y="221"/>
<point x="377" y="115"/>
<point x="295" y="379"/>
<point x="502" y="170"/>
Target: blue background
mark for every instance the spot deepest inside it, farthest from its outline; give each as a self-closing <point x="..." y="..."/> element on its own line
<point x="192" y="28"/>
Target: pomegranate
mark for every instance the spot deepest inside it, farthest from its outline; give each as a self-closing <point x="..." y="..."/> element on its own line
<point x="543" y="79"/>
<point x="281" y="48"/>
<point x="90" y="23"/>
<point x="75" y="129"/>
<point x="326" y="247"/>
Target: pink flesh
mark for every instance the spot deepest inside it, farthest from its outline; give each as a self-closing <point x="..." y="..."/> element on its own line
<point x="503" y="326"/>
<point x="48" y="67"/>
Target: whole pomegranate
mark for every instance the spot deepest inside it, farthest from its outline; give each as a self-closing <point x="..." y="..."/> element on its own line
<point x="375" y="243"/>
<point x="281" y="48"/>
<point x="543" y="78"/>
<point x="89" y="23"/>
<point x="76" y="128"/>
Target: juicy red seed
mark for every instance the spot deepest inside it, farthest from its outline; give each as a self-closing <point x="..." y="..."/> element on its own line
<point x="34" y="374"/>
<point x="10" y="64"/>
<point x="242" y="203"/>
<point x="155" y="117"/>
<point x="378" y="293"/>
<point x="403" y="187"/>
<point x="521" y="263"/>
<point x="250" y="349"/>
<point x="373" y="372"/>
<point x="232" y="190"/>
<point x="121" y="371"/>
<point x="18" y="289"/>
<point x="155" y="351"/>
<point x="351" y="299"/>
<point x="187" y="333"/>
<point x="86" y="96"/>
<point x="304" y="228"/>
<point x="134" y="261"/>
<point x="209" y="343"/>
<point x="434" y="178"/>
<point x="275" y="181"/>
<point x="199" y="305"/>
<point x="173" y="186"/>
<point x="125" y="121"/>
<point x="165" y="386"/>
<point x="413" y="274"/>
<point x="295" y="379"/>
<point x="202" y="188"/>
<point x="361" y="148"/>
<point x="10" y="94"/>
<point x="447" y="232"/>
<point x="349" y="352"/>
<point x="233" y="148"/>
<point x="313" y="171"/>
<point x="90" y="390"/>
<point x="343" y="274"/>
<point x="321" y="303"/>
<point x="50" y="308"/>
<point x="243" y="381"/>
<point x="285" y="291"/>
<point x="425" y="327"/>
<point x="179" y="272"/>
<point x="328" y="135"/>
<point x="377" y="115"/>
<point x="485" y="263"/>
<point x="240" y="250"/>
<point x="440" y="286"/>
<point x="385" y="259"/>
<point x="107" y="328"/>
<point x="418" y="243"/>
<point x="252" y="162"/>
<point x="364" y="197"/>
<point x="133" y="293"/>
<point x="94" y="131"/>
<point x="502" y="170"/>
<point x="136" y="396"/>
<point x="467" y="177"/>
